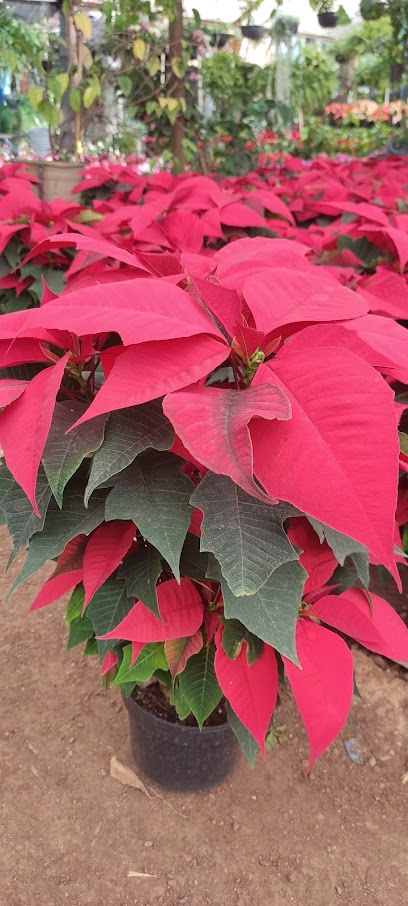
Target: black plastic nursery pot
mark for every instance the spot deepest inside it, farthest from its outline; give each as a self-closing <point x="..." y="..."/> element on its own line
<point x="179" y="758"/>
<point x="328" y="20"/>
<point x="253" y="32"/>
<point x="219" y="39"/>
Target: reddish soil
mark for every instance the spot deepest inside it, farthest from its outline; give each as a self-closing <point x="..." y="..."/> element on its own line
<point x="69" y="833"/>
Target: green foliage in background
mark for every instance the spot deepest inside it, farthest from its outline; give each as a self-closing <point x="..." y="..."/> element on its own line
<point x="21" y="44"/>
<point x="314" y="80"/>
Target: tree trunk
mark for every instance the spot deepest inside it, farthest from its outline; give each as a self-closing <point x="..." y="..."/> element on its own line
<point x="177" y="88"/>
<point x="67" y="131"/>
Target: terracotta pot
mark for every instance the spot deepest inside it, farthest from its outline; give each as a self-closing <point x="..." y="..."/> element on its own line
<point x="58" y="178"/>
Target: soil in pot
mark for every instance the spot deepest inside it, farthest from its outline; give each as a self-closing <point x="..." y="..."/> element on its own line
<point x="178" y="755"/>
<point x="328" y="20"/>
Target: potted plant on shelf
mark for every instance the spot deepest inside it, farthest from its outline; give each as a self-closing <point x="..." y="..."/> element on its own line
<point x="61" y="101"/>
<point x="194" y="460"/>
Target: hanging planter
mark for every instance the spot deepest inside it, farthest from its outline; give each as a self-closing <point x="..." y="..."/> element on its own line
<point x="219" y="39"/>
<point x="285" y="27"/>
<point x="253" y="32"/>
<point x="328" y="19"/>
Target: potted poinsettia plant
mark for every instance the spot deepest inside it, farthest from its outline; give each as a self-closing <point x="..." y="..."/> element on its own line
<point x="209" y="453"/>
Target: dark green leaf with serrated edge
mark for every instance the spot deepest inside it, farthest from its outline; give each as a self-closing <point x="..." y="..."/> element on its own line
<point x="247" y="742"/>
<point x="341" y="545"/>
<point x="199" y="684"/>
<point x="246" y="536"/>
<point x="60" y="527"/>
<point x="75" y="604"/>
<point x="105" y="646"/>
<point x="179" y="703"/>
<point x="128" y="433"/>
<point x="233" y="638"/>
<point x="272" y="612"/>
<point x="63" y="453"/>
<point x="141" y="570"/>
<point x="344" y="578"/>
<point x="362" y="565"/>
<point x="213" y="570"/>
<point x="107" y="608"/>
<point x="22" y="522"/>
<point x="193" y="562"/>
<point x="155" y="495"/>
<point x="6" y="481"/>
<point x="151" y="658"/>
<point x="80" y="630"/>
<point x="91" y="648"/>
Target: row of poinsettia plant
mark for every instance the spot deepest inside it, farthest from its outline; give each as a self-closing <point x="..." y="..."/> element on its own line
<point x="207" y="446"/>
<point x="352" y="217"/>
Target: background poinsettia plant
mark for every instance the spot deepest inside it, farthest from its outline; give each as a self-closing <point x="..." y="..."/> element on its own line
<point x="208" y="450"/>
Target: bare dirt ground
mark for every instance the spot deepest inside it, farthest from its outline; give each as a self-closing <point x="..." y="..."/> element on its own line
<point x="69" y="833"/>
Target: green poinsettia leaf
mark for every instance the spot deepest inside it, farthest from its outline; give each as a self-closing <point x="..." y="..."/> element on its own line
<point x="80" y="630"/>
<point x="247" y="742"/>
<point x="362" y="566"/>
<point x="271" y="613"/>
<point x="199" y="685"/>
<point x="193" y="562"/>
<point x="368" y="253"/>
<point x="344" y="578"/>
<point x="233" y="638"/>
<point x="21" y="372"/>
<point x="75" y="604"/>
<point x="63" y="453"/>
<point x="128" y="433"/>
<point x="245" y="535"/>
<point x="6" y="481"/>
<point x="155" y="495"/>
<point x="61" y="526"/>
<point x="341" y="545"/>
<point x="106" y="609"/>
<point x="141" y="570"/>
<point x="179" y="703"/>
<point x="150" y="659"/>
<point x="22" y="522"/>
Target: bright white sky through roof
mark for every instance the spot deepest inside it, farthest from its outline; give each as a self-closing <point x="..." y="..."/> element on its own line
<point x="229" y="10"/>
